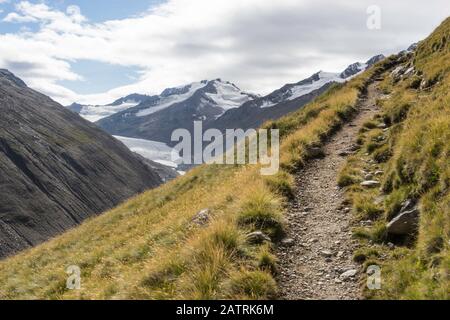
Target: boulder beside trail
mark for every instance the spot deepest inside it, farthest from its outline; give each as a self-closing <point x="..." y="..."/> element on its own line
<point x="406" y="222"/>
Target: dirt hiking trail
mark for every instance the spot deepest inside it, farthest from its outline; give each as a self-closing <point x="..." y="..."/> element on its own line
<point x="316" y="258"/>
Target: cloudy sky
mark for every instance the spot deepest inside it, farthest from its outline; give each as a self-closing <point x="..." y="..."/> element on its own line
<point x="94" y="51"/>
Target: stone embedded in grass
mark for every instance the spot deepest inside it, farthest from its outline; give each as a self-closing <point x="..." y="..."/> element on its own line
<point x="367" y="222"/>
<point x="370" y="184"/>
<point x="257" y="237"/>
<point x="202" y="217"/>
<point x="380" y="138"/>
<point x="315" y="152"/>
<point x="405" y="223"/>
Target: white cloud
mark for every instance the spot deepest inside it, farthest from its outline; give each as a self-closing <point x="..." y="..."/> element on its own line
<point x="14" y="17"/>
<point x="260" y="45"/>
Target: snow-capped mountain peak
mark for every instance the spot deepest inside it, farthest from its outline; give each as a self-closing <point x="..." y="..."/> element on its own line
<point x="214" y="93"/>
<point x="375" y="59"/>
<point x="181" y="90"/>
<point x="134" y="98"/>
<point x="227" y="95"/>
<point x="217" y="94"/>
<point x="353" y="70"/>
<point x="210" y="99"/>
<point x="317" y="81"/>
<point x="296" y="90"/>
<point x="358" y="67"/>
<point x="96" y="112"/>
<point x="170" y="97"/>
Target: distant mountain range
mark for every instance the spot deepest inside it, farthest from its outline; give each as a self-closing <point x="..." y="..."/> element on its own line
<point x="219" y="104"/>
<point x="145" y="123"/>
<point x="157" y="117"/>
<point x="57" y="169"/>
<point x="97" y="112"/>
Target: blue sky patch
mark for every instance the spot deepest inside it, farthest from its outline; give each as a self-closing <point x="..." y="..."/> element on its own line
<point x="100" y="77"/>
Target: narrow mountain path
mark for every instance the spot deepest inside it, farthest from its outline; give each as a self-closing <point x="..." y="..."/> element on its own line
<point x="317" y="263"/>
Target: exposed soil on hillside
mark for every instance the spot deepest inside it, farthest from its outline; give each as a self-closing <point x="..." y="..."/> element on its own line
<point x="317" y="262"/>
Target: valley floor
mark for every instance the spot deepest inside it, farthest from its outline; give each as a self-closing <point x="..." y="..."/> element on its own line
<point x="316" y="262"/>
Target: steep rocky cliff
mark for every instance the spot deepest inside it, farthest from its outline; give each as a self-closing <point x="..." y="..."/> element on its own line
<point x="56" y="169"/>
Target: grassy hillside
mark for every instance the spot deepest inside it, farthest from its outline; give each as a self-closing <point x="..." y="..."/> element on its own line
<point x="413" y="153"/>
<point x="151" y="247"/>
<point x="156" y="246"/>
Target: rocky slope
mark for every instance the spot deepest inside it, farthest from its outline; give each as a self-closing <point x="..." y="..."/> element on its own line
<point x="56" y="169"/>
